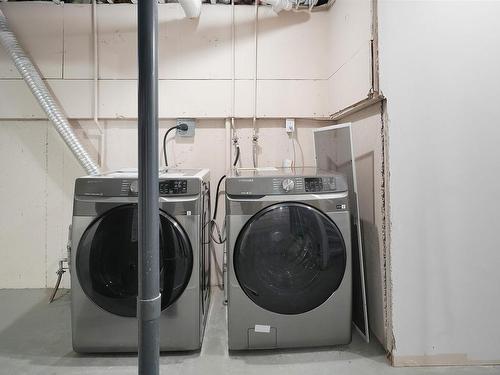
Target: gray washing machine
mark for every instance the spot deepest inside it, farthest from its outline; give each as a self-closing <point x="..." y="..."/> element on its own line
<point x="104" y="255"/>
<point x="288" y="259"/>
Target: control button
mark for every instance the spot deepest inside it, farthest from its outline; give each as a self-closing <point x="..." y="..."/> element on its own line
<point x="173" y="187"/>
<point x="134" y="187"/>
<point x="287" y="184"/>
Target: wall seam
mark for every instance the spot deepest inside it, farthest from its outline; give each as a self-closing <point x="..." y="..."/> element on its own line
<point x="386" y="228"/>
<point x="46" y="200"/>
<point x="375" y="54"/>
<point x="65" y="202"/>
<point x="358" y="50"/>
<point x="63" y="54"/>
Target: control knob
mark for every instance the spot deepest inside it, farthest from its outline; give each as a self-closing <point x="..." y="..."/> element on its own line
<point x="134" y="187"/>
<point x="288" y="184"/>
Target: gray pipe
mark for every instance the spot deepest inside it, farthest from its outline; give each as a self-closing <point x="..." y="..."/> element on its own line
<point x="149" y="298"/>
<point x="43" y="96"/>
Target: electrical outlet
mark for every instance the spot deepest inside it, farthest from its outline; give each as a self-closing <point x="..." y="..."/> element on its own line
<point x="290" y="125"/>
<point x="190" y="122"/>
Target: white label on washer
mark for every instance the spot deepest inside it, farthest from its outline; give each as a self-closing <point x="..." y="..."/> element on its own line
<point x="262" y="329"/>
<point x="188" y="213"/>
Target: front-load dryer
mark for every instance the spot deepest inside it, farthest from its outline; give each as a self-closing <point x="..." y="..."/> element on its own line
<point x="288" y="259"/>
<point x="104" y="256"/>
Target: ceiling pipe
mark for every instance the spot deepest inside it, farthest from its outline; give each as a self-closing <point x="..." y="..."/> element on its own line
<point x="192" y="8"/>
<point x="279" y="5"/>
<point x="40" y="91"/>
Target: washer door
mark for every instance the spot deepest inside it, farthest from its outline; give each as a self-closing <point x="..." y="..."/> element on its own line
<point x="107" y="260"/>
<point x="289" y="258"/>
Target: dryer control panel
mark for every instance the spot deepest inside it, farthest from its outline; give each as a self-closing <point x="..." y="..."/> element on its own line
<point x="167" y="187"/>
<point x="127" y="187"/>
<point x="313" y="184"/>
<point x="260" y="184"/>
<point x="173" y="187"/>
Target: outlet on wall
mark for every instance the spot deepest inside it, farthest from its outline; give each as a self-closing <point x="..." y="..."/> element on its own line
<point x="190" y="122"/>
<point x="290" y="125"/>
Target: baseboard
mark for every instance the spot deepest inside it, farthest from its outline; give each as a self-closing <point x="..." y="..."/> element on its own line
<point x="452" y="359"/>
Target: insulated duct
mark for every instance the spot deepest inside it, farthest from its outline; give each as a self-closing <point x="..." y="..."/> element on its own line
<point x="279" y="5"/>
<point x="43" y="96"/>
<point x="192" y="8"/>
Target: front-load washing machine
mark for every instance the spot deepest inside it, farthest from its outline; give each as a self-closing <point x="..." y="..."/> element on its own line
<point x="104" y="261"/>
<point x="288" y="259"/>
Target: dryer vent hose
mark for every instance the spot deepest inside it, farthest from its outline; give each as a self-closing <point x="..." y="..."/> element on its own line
<point x="38" y="88"/>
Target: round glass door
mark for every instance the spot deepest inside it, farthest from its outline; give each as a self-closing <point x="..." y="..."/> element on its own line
<point x="289" y="258"/>
<point x="107" y="260"/>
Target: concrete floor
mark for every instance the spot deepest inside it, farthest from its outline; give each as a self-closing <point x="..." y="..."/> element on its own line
<point x="35" y="339"/>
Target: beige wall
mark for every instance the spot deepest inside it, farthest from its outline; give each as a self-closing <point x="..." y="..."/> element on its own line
<point x="309" y="66"/>
<point x="38" y="172"/>
<point x="36" y="188"/>
<point x="367" y="134"/>
<point x="206" y="149"/>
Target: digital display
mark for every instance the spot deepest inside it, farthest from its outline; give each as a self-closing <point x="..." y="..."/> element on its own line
<point x="173" y="187"/>
<point x="313" y="184"/>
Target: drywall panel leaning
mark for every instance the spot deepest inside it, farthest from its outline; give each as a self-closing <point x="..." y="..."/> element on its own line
<point x="334" y="152"/>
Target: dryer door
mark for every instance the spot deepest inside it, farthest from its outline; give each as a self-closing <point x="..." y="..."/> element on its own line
<point x="107" y="260"/>
<point x="289" y="258"/>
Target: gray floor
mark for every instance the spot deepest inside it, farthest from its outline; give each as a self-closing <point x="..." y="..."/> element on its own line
<point x="35" y="339"/>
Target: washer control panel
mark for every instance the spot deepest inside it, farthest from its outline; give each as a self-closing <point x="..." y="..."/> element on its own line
<point x="304" y="185"/>
<point x="287" y="185"/>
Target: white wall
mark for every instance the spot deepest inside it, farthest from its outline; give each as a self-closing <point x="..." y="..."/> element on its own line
<point x="439" y="64"/>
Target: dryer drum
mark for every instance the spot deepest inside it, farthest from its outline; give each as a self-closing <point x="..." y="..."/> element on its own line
<point x="107" y="260"/>
<point x="289" y="258"/>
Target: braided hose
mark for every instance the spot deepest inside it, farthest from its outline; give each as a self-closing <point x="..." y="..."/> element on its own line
<point x="43" y="96"/>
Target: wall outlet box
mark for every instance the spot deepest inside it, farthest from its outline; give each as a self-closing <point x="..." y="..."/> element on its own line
<point x="290" y="125"/>
<point x="190" y="122"/>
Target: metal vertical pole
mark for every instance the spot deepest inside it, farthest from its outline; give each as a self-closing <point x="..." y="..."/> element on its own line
<point x="149" y="299"/>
